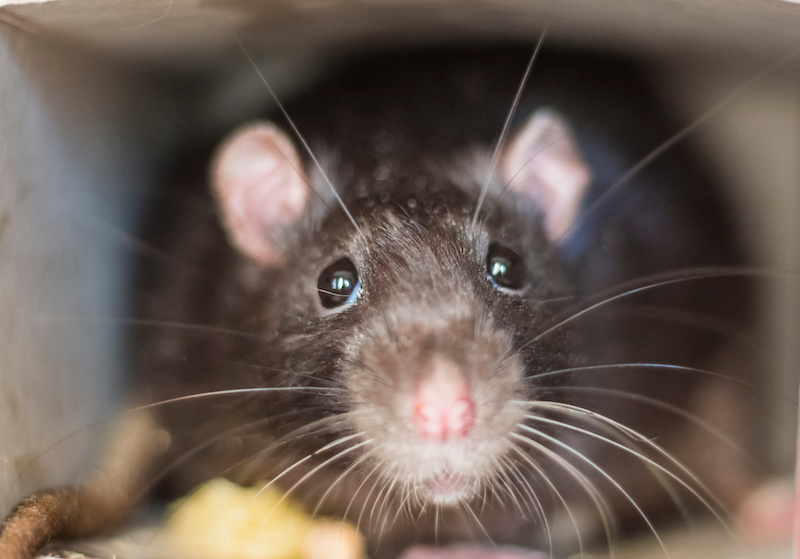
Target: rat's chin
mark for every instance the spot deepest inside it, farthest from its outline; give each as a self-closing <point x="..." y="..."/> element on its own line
<point x="446" y="489"/>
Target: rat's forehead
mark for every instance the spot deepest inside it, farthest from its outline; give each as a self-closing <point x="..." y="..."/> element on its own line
<point x="419" y="199"/>
<point x="398" y="232"/>
<point x="435" y="211"/>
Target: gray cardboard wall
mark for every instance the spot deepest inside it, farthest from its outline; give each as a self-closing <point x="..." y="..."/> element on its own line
<point x="70" y="167"/>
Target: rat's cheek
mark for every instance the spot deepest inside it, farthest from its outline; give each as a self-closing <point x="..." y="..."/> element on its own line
<point x="471" y="552"/>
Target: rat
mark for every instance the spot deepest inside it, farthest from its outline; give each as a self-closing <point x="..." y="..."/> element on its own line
<point x="442" y="342"/>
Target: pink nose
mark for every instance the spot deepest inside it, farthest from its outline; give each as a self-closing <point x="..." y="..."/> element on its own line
<point x="440" y="421"/>
<point x="443" y="407"/>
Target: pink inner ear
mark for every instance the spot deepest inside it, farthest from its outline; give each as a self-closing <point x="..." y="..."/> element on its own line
<point x="260" y="188"/>
<point x="544" y="164"/>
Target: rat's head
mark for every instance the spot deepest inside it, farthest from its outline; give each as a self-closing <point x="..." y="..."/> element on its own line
<point x="425" y="320"/>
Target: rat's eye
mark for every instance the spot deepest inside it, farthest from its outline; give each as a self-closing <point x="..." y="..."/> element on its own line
<point x="338" y="284"/>
<point x="504" y="267"/>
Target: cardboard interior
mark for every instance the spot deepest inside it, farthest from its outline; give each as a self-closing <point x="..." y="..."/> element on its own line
<point x="94" y="95"/>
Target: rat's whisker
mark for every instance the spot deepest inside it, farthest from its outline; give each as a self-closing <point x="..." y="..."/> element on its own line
<point x="242" y="515"/>
<point x="541" y="475"/>
<point x="635" y="435"/>
<point x="465" y="506"/>
<point x="386" y="481"/>
<point x="679" y="136"/>
<point x="591" y="463"/>
<point x="383" y="509"/>
<point x="725" y="329"/>
<point x="656" y="281"/>
<point x="356" y="463"/>
<point x="146" y="407"/>
<point x="531" y="173"/>
<point x="149" y="323"/>
<point x="693" y="418"/>
<point x="297" y="133"/>
<point x="504" y="132"/>
<point x="650" y="366"/>
<point x="375" y="469"/>
<point x="533" y="503"/>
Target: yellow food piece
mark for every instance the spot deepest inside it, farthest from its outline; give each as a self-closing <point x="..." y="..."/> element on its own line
<point x="223" y="520"/>
<point x="333" y="539"/>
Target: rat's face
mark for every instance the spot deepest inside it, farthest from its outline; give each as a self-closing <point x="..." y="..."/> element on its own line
<point x="427" y="316"/>
<point x="429" y="326"/>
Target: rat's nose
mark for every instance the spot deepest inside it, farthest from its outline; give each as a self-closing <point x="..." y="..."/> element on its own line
<point x="443" y="406"/>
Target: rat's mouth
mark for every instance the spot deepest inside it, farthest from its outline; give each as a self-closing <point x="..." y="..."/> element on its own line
<point x="446" y="488"/>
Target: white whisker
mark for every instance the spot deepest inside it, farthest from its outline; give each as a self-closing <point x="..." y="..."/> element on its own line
<point x="383" y="511"/>
<point x="655" y="281"/>
<point x="635" y="435"/>
<point x="478" y="522"/>
<point x="693" y="418"/>
<point x="504" y="131"/>
<point x="297" y="133"/>
<point x="535" y="507"/>
<point x="678" y="368"/>
<point x="358" y="490"/>
<point x="341" y="476"/>
<point x="369" y="494"/>
<point x="506" y="485"/>
<point x="404" y="500"/>
<point x="544" y="477"/>
<point x="127" y="321"/>
<point x="386" y="482"/>
<point x="608" y="477"/>
<point x="681" y="134"/>
<point x="305" y="477"/>
<point x="592" y="492"/>
<point x="533" y="173"/>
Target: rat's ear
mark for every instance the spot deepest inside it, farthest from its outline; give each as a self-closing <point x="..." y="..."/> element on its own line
<point x="543" y="163"/>
<point x="260" y="187"/>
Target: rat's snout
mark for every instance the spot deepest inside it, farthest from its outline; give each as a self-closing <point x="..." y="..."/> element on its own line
<point x="443" y="405"/>
<point x="432" y="394"/>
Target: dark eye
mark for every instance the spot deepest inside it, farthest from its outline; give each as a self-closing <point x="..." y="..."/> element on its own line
<point x="505" y="267"/>
<point x="338" y="284"/>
